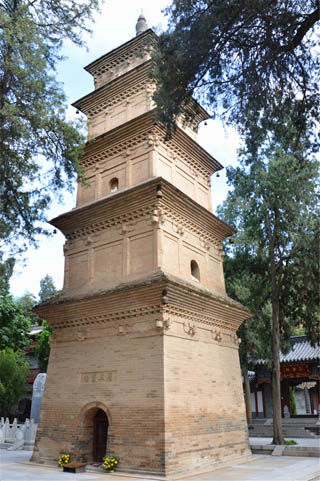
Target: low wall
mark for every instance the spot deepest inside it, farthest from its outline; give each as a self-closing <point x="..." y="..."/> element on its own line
<point x="9" y="433"/>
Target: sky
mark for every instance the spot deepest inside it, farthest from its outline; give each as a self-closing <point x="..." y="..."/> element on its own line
<point x="114" y="26"/>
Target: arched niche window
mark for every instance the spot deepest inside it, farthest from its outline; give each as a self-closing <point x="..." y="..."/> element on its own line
<point x="114" y="184"/>
<point x="195" y="271"/>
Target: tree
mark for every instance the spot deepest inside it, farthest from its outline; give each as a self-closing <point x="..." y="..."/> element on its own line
<point x="14" y="325"/>
<point x="42" y="350"/>
<point x="17" y="316"/>
<point x="293" y="406"/>
<point x="14" y="371"/>
<point x="26" y="303"/>
<point x="47" y="289"/>
<point x="248" y="61"/>
<point x="39" y="148"/>
<point x="273" y="205"/>
<point x="245" y="281"/>
<point x="6" y="270"/>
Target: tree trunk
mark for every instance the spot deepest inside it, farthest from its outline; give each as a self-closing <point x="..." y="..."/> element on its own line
<point x="247" y="394"/>
<point x="276" y="387"/>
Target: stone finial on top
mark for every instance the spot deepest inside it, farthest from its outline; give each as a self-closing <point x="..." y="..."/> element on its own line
<point x="141" y="25"/>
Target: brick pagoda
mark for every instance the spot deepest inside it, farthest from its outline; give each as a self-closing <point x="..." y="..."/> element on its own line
<point x="144" y="353"/>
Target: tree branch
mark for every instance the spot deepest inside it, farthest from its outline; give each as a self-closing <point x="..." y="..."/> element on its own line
<point x="302" y="30"/>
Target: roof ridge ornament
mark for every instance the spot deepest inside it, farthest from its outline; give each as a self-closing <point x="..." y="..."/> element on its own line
<point x="141" y="25"/>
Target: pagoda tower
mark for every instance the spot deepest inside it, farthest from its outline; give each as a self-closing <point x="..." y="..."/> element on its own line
<point x="144" y="358"/>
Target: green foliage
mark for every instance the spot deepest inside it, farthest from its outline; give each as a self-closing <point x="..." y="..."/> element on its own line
<point x="39" y="148"/>
<point x="273" y="205"/>
<point x="17" y="316"/>
<point x="47" y="289"/>
<point x="14" y="325"/>
<point x="13" y="376"/>
<point x="27" y="303"/>
<point x="290" y="442"/>
<point x="6" y="270"/>
<point x="248" y="61"/>
<point x="42" y="350"/>
<point x="293" y="406"/>
<point x="245" y="278"/>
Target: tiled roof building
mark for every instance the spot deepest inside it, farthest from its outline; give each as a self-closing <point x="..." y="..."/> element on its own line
<point x="299" y="372"/>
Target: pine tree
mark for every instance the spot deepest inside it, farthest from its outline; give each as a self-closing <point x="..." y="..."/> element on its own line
<point x="235" y="56"/>
<point x="273" y="205"/>
<point x="39" y="147"/>
<point x="47" y="289"/>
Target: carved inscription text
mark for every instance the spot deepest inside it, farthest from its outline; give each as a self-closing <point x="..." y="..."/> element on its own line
<point x="93" y="377"/>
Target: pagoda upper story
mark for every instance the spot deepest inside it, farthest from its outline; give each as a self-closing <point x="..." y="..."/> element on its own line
<point x="146" y="209"/>
<point x="125" y="145"/>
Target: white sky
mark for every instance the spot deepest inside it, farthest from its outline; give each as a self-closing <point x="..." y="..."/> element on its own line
<point x="114" y="26"/>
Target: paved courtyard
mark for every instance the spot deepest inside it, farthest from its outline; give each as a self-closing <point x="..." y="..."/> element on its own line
<point x="300" y="441"/>
<point x="15" y="467"/>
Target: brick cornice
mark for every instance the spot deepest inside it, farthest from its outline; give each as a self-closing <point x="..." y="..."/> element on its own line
<point x="118" y="90"/>
<point x="141" y="130"/>
<point x="115" y="209"/>
<point x="118" y="140"/>
<point x="124" y="87"/>
<point x="180" y="208"/>
<point x="144" y="298"/>
<point x="138" y="202"/>
<point x="123" y="53"/>
<point x="194" y="302"/>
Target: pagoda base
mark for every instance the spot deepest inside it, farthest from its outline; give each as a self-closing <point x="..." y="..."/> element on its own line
<point x="160" y="361"/>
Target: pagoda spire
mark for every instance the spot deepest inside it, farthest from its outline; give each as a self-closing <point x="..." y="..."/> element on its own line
<point x="141" y="25"/>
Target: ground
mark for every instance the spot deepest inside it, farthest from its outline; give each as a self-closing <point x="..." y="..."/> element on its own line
<point x="300" y="441"/>
<point x="15" y="467"/>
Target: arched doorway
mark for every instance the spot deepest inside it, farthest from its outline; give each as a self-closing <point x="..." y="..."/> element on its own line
<point x="100" y="436"/>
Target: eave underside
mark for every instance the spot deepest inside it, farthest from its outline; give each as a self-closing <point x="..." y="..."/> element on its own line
<point x="136" y="131"/>
<point x="140" y="200"/>
<point x="143" y="40"/>
<point x="145" y="298"/>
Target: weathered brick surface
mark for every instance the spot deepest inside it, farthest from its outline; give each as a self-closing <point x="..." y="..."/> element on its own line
<point x="143" y="328"/>
<point x="173" y="397"/>
<point x="204" y="408"/>
<point x="133" y="400"/>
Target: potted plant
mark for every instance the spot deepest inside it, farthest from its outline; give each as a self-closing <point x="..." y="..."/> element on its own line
<point x="63" y="459"/>
<point x="110" y="463"/>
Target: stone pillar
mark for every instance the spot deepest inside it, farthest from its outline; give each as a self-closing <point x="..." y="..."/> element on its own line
<point x="37" y="393"/>
<point x="307" y="400"/>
